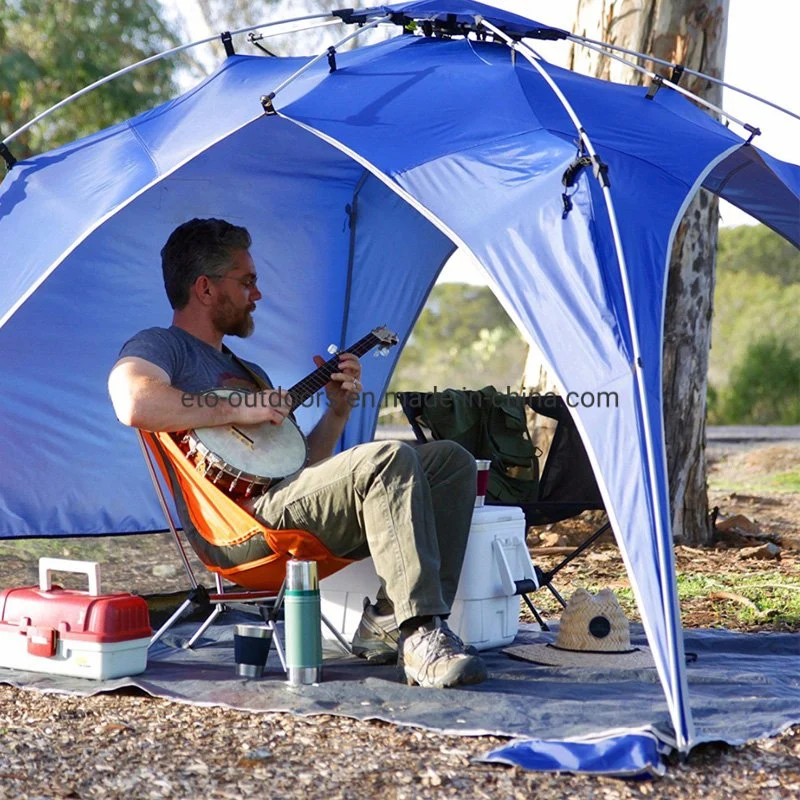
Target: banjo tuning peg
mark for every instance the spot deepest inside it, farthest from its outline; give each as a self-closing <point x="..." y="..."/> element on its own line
<point x="333" y="349"/>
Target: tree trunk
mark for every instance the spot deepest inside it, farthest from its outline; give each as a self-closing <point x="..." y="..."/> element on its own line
<point x="692" y="33"/>
<point x="535" y="380"/>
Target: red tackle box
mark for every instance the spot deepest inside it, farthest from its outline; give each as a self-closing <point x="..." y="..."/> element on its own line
<point x="66" y="632"/>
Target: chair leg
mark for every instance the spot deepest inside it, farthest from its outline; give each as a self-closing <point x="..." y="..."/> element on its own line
<point x="557" y="595"/>
<point x="339" y="638"/>
<point x="278" y="645"/>
<point x="171" y="621"/>
<point x="218" y="609"/>
<point x="542" y="624"/>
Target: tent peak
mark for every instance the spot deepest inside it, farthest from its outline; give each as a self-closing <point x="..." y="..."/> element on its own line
<point x="443" y="18"/>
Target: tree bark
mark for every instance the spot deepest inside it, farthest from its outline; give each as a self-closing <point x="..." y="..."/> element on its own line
<point x="691" y="33"/>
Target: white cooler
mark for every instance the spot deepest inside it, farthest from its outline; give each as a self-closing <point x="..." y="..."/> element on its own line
<point x="342" y="597"/>
<point x="486" y="611"/>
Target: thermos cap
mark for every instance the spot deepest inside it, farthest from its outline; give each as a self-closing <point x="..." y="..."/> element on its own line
<point x="301" y="575"/>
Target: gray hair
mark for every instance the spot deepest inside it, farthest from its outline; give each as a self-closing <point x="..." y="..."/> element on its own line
<point x="199" y="247"/>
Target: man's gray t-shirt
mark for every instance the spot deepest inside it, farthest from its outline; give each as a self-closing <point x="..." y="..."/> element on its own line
<point x="192" y="365"/>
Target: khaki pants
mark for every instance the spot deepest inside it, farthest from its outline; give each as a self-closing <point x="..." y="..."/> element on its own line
<point x="409" y="508"/>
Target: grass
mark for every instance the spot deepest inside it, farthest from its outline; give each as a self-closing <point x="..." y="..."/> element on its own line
<point x="752" y="599"/>
<point x="778" y="482"/>
<point x="787" y="481"/>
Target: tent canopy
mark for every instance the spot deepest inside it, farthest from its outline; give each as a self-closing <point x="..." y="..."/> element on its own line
<point x="356" y="192"/>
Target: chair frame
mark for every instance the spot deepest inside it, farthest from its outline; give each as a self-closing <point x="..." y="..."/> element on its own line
<point x="268" y="602"/>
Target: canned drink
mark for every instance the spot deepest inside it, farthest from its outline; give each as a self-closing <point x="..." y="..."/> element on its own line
<point x="302" y="622"/>
<point x="482" y="466"/>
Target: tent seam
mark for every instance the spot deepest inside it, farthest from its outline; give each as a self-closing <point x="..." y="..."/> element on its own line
<point x="145" y="147"/>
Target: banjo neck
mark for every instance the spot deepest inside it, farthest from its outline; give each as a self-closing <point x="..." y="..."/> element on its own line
<point x="313" y="382"/>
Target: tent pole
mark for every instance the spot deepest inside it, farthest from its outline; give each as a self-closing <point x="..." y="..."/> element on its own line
<point x="638" y="365"/>
<point x="86" y="89"/>
<point x="585" y="40"/>
<point x="266" y="100"/>
<point x="662" y="80"/>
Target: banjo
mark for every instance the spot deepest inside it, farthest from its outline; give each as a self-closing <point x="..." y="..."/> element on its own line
<point x="244" y="460"/>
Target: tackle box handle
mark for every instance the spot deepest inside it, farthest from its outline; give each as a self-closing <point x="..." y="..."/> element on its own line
<point x="89" y="568"/>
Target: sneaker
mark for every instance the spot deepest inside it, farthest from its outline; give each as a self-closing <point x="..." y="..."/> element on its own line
<point x="433" y="656"/>
<point x="376" y="637"/>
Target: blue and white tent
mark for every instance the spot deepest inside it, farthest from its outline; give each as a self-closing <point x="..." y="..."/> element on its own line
<point x="357" y="184"/>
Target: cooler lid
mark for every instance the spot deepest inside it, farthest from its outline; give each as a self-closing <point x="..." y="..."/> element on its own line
<point x="492" y="515"/>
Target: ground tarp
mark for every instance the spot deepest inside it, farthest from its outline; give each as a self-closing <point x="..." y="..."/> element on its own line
<point x="743" y="686"/>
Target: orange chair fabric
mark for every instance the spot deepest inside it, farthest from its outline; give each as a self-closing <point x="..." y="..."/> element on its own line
<point x="220" y="521"/>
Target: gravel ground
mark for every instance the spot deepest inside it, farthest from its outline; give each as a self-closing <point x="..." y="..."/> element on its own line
<point x="127" y="745"/>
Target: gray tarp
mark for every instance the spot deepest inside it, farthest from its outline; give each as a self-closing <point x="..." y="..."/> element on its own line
<point x="743" y="687"/>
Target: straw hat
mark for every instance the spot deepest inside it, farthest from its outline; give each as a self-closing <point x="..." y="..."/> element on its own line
<point x="594" y="632"/>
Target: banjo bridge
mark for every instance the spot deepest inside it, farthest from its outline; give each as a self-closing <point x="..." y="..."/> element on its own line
<point x="243" y="437"/>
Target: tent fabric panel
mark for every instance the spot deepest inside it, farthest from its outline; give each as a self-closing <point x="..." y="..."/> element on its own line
<point x="76" y="186"/>
<point x="77" y="470"/>
<point x="398" y="254"/>
<point x="543" y="265"/>
<point x="646" y="201"/>
<point x="762" y="186"/>
<point x="629" y="755"/>
<point x="617" y="117"/>
<point x="107" y="168"/>
<point x="422" y="73"/>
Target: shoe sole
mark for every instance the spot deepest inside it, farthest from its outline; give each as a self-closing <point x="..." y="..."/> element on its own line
<point x="376" y="657"/>
<point x="474" y="673"/>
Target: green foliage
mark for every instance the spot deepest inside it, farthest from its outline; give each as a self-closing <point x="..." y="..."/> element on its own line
<point x="48" y="50"/>
<point x="755" y="353"/>
<point x="757" y="250"/>
<point x="764" y="387"/>
<point x="463" y="338"/>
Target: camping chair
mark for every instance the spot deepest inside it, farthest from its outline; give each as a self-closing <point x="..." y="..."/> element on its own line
<point x="566" y="487"/>
<point x="231" y="544"/>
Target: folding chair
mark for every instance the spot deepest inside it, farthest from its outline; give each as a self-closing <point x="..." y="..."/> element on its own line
<point x="567" y="485"/>
<point x="220" y="532"/>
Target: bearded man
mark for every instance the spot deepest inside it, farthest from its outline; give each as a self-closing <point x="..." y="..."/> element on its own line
<point x="409" y="508"/>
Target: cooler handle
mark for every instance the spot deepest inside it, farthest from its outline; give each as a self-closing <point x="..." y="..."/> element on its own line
<point x="508" y="580"/>
<point x="89" y="568"/>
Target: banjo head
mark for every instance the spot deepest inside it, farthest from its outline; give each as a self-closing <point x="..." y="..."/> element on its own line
<point x="259" y="452"/>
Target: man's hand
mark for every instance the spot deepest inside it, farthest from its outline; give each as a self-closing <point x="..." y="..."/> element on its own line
<point x="271" y="405"/>
<point x="344" y="386"/>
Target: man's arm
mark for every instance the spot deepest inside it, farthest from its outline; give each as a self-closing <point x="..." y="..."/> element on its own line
<point x="342" y="393"/>
<point x="326" y="433"/>
<point x="143" y="398"/>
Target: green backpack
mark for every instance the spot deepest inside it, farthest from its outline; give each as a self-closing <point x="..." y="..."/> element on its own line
<point x="491" y="425"/>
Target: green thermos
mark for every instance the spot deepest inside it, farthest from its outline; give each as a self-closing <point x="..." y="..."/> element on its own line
<point x="303" y="630"/>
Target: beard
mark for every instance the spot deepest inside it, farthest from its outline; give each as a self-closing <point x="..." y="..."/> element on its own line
<point x="231" y="321"/>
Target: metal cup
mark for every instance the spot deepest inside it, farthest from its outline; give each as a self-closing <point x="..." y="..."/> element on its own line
<point x="251" y="645"/>
<point x="482" y="465"/>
